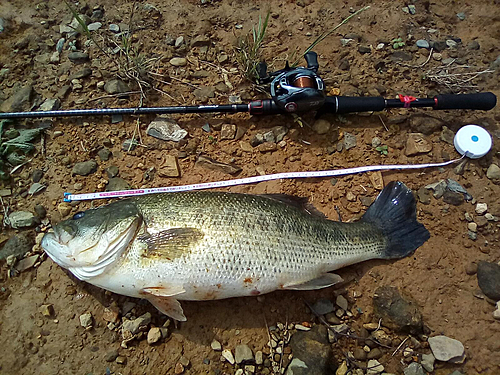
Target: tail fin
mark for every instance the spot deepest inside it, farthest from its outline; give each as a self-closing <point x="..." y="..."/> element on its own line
<point x="394" y="213"/>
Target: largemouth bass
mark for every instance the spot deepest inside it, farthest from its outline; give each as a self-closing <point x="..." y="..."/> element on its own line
<point x="214" y="245"/>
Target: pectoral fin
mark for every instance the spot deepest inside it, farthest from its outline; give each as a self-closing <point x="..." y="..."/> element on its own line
<point x="168" y="306"/>
<point x="324" y="281"/>
<point x="171" y="243"/>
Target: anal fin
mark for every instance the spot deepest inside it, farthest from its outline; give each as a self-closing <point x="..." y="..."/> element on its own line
<point x="168" y="306"/>
<point x="324" y="281"/>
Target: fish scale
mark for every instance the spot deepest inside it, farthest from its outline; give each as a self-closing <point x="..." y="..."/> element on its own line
<point x="214" y="245"/>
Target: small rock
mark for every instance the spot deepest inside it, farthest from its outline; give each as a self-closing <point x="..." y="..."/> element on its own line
<point x="342" y="369"/>
<point x="345" y="41"/>
<point x="116" y="86"/>
<point x="228" y="131"/>
<point x="243" y="353"/>
<point x="414" y="369"/>
<point x="472" y="227"/>
<point x="461" y="16"/>
<point x="396" y="312"/>
<point x="117" y="184"/>
<point x="50" y="105"/>
<point x="437" y="56"/>
<point x="121" y="360"/>
<point x="169" y="167"/>
<point x="471" y="268"/>
<point x="312" y="349"/>
<point x="488" y="278"/>
<point x="359" y="354"/>
<point x="424" y="195"/>
<point x="422" y="43"/>
<point x="111" y="355"/>
<point x="40" y="211"/>
<point x="64" y="208"/>
<point x="323" y="306"/>
<point x="20" y="101"/>
<point x="446" y="349"/>
<point x="154" y="335"/>
<point x="178" y="42"/>
<point x="342" y="302"/>
<point x="496" y="313"/>
<point x="267" y="147"/>
<point x="104" y="154"/>
<point x="94" y="26"/>
<point x="297" y="367"/>
<point x="428" y="362"/>
<point x="376" y="180"/>
<point x="453" y="197"/>
<point x="447" y="135"/>
<point x="417" y="144"/>
<point x="473" y="46"/>
<point x="178" y="61"/>
<point x="376" y="141"/>
<point x="206" y="162"/>
<point x="481" y="208"/>
<point x="138" y="324"/>
<point x="493" y="172"/>
<point x="86" y="320"/>
<point x="425" y="125"/>
<point x="84" y="168"/>
<point x="22" y="219"/>
<point x="216" y="345"/>
<point x="364" y="49"/>
<point x="451" y="43"/>
<point x="112" y="171"/>
<point x="321" y="126"/>
<point x="438" y="45"/>
<point x="78" y="57"/>
<point x="36" y="188"/>
<point x="37" y="175"/>
<point x="259" y="358"/>
<point x="203" y="93"/>
<point x="400" y="56"/>
<point x="166" y="129"/>
<point x="200" y="41"/>
<point x="129" y="145"/>
<point x="228" y="356"/>
<point x="47" y="310"/>
<point x="349" y="141"/>
<point x="114" y="28"/>
<point x="374" y="367"/>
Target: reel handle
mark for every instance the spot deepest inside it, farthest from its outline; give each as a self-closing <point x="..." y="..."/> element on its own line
<point x="312" y="61"/>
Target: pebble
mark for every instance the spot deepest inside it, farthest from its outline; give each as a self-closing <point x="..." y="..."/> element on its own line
<point x="473" y="46"/>
<point x="78" y="57"/>
<point x="60" y="44"/>
<point x="114" y="28"/>
<point x="22" y="219"/>
<point x="496" y="313"/>
<point x="138" y="324"/>
<point x="121" y="360"/>
<point x="154" y="335"/>
<point x="342" y="302"/>
<point x="47" y="310"/>
<point x="94" y="26"/>
<point x="427" y="362"/>
<point x="178" y="61"/>
<point x="228" y="132"/>
<point x="166" y="129"/>
<point x="342" y="369"/>
<point x="414" y="369"/>
<point x="345" y="41"/>
<point x="417" y="144"/>
<point x="424" y="195"/>
<point x="300" y="327"/>
<point x="488" y="278"/>
<point x="40" y="211"/>
<point x="493" y="172"/>
<point x="447" y="135"/>
<point x="471" y="268"/>
<point x="349" y="141"/>
<point x="129" y="145"/>
<point x="228" y="356"/>
<point x="376" y="141"/>
<point x="84" y="168"/>
<point x="243" y="353"/>
<point x="461" y="16"/>
<point x="64" y="208"/>
<point x="375" y="353"/>
<point x="422" y="43"/>
<point x="374" y="367"/>
<point x="472" y="227"/>
<point x="111" y="355"/>
<point x="86" y="320"/>
<point x="116" y="86"/>
<point x="178" y="42"/>
<point x="321" y="126"/>
<point x="437" y="56"/>
<point x="323" y="306"/>
<point x="359" y="354"/>
<point x="481" y="208"/>
<point x="104" y="154"/>
<point x="364" y="49"/>
<point x="259" y="357"/>
<point x="216" y="345"/>
<point x="451" y="43"/>
<point x="445" y="349"/>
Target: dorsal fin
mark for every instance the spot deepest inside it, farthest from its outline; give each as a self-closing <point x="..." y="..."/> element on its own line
<point x="301" y="203"/>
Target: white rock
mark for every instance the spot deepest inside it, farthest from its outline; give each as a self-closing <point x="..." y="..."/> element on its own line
<point x="216" y="345"/>
<point x="300" y="327"/>
<point x="481" y="208"/>
<point x="374" y="367"/>
<point x="446" y="349"/>
<point x="228" y="356"/>
<point x="259" y="358"/>
<point x="178" y="61"/>
<point x="154" y="335"/>
<point x="296" y="364"/>
<point x="243" y="353"/>
<point x="166" y="129"/>
<point x="86" y="320"/>
<point x="496" y="313"/>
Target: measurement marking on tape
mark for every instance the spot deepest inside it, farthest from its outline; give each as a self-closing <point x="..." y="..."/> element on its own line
<point x="68" y="197"/>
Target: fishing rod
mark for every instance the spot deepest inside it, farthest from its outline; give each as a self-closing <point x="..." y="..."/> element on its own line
<point x="293" y="90"/>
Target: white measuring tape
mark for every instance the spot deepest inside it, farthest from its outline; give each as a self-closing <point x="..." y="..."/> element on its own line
<point x="68" y="197"/>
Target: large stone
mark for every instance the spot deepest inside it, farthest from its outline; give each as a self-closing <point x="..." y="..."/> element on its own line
<point x="116" y="86"/>
<point x="22" y="219"/>
<point x="84" y="168"/>
<point x="488" y="278"/>
<point x="17" y="245"/>
<point x="243" y="354"/>
<point x="397" y="313"/>
<point x="19" y="101"/>
<point x="417" y="144"/>
<point x="166" y="129"/>
<point x="206" y="162"/>
<point x="446" y="349"/>
<point x="313" y="349"/>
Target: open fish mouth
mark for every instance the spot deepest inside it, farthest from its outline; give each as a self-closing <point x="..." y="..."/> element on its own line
<point x="58" y="252"/>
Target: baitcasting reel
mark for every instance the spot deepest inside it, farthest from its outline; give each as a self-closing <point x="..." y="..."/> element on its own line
<point x="298" y="89"/>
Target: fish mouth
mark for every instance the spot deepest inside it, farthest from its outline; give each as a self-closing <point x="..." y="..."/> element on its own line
<point x="58" y="252"/>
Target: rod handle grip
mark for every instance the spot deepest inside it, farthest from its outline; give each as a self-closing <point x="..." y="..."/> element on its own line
<point x="482" y="100"/>
<point x="349" y="104"/>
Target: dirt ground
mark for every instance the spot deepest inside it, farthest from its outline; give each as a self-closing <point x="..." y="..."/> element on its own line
<point x="435" y="276"/>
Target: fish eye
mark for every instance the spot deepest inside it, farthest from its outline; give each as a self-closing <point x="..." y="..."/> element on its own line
<point x="78" y="215"/>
